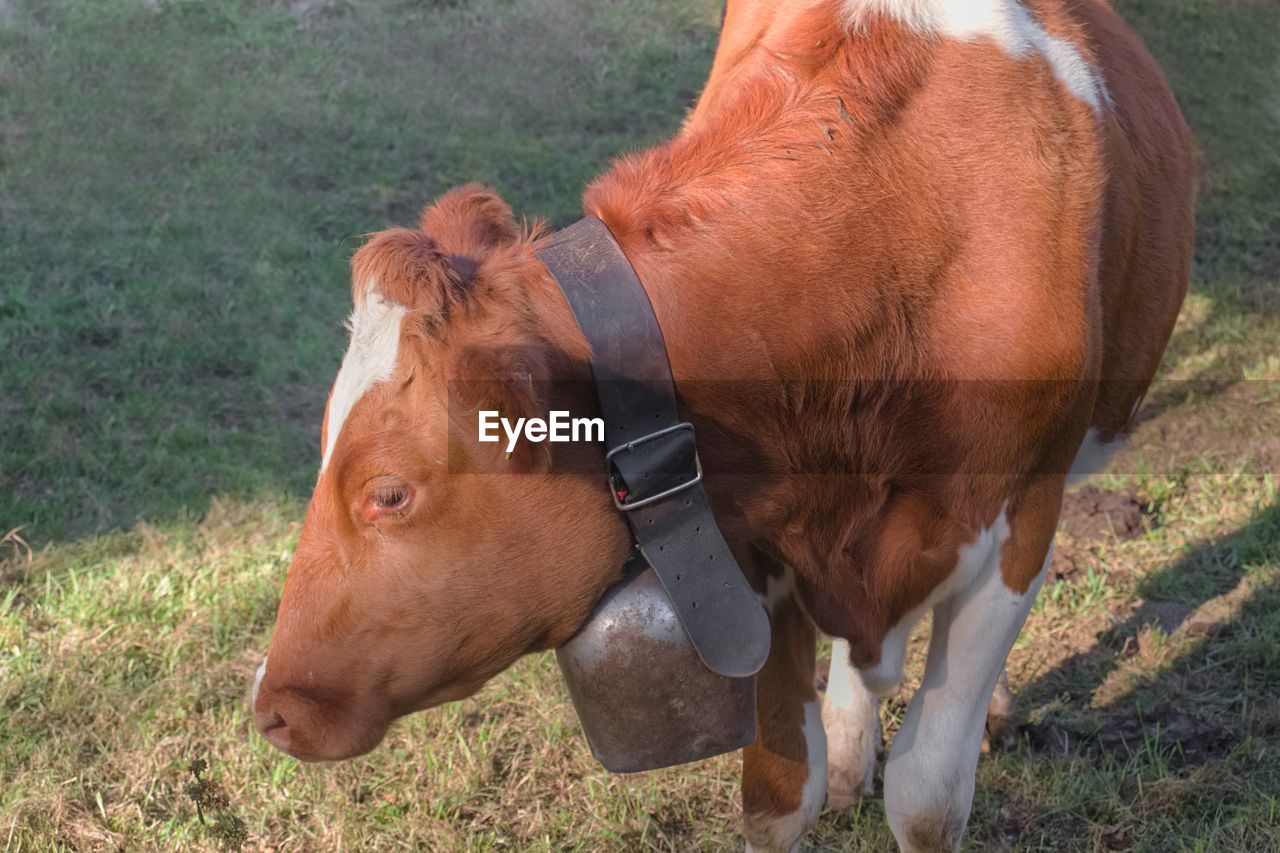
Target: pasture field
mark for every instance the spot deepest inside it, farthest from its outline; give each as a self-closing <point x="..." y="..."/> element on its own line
<point x="181" y="184"/>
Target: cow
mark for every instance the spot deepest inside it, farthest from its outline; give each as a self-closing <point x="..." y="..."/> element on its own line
<point x="915" y="262"/>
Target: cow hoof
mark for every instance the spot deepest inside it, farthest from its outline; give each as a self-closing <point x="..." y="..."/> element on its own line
<point x="924" y="835"/>
<point x="1002" y="723"/>
<point x="842" y="796"/>
<point x="1001" y="735"/>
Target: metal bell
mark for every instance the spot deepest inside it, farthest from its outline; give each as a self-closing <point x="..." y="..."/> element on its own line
<point x="644" y="697"/>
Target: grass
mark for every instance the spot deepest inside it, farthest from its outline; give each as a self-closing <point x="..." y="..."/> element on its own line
<point x="181" y="183"/>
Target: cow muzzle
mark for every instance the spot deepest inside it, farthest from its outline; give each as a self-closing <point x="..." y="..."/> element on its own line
<point x="312" y="728"/>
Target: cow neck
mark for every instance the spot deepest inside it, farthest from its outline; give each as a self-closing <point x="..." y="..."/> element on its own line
<point x="652" y="460"/>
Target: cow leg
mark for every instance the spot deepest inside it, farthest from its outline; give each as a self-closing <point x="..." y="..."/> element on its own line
<point x="784" y="772"/>
<point x="929" y="777"/>
<point x="851" y="717"/>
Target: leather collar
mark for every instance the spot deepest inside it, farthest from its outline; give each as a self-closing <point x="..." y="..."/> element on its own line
<point x="652" y="458"/>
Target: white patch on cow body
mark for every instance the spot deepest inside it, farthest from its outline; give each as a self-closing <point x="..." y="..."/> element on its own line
<point x="784" y="832"/>
<point x="257" y="679"/>
<point x="1007" y="22"/>
<point x="1075" y="72"/>
<point x="929" y="777"/>
<point x="778" y="589"/>
<point x="885" y="676"/>
<point x="1094" y="453"/>
<point x="851" y="717"/>
<point x="815" y="786"/>
<point x="371" y="358"/>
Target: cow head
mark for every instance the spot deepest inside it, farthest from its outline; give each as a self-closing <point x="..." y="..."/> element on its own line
<point x="430" y="561"/>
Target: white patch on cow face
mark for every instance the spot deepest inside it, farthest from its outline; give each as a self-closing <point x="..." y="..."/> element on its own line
<point x="370" y="359"/>
<point x="1093" y="454"/>
<point x="1007" y="22"/>
<point x="257" y="679"/>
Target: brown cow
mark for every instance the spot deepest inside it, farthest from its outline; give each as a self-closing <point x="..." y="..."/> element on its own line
<point x="927" y="252"/>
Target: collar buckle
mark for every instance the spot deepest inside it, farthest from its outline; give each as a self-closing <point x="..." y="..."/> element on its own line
<point x="628" y="497"/>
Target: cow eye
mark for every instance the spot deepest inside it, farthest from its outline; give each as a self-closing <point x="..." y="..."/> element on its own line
<point x="385" y="498"/>
<point x="389" y="497"/>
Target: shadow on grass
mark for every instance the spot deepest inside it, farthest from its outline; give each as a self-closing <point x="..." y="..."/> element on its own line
<point x="1152" y="740"/>
<point x="1199" y="706"/>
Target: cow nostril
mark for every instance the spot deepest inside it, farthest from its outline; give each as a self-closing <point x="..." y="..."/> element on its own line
<point x="270" y="721"/>
<point x="274" y="728"/>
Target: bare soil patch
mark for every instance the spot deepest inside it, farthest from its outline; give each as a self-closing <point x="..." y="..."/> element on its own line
<point x="1092" y="516"/>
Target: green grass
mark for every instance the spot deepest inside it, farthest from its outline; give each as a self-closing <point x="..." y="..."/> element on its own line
<point x="181" y="184"/>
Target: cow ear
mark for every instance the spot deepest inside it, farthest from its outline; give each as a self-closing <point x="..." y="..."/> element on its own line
<point x="505" y="381"/>
<point x="471" y="220"/>
<point x="409" y="268"/>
